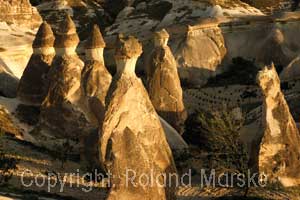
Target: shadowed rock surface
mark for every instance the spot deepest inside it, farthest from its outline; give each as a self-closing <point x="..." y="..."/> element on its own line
<point x="8" y="83"/>
<point x="33" y="86"/>
<point x="164" y="86"/>
<point x="132" y="136"/>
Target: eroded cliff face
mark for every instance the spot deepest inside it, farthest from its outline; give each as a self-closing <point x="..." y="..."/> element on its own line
<point x="18" y="25"/>
<point x="19" y="12"/>
<point x="279" y="148"/>
<point x="199" y="53"/>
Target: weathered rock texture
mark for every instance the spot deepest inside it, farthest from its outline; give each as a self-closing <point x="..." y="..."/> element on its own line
<point x="164" y="86"/>
<point x="33" y="86"/>
<point x="95" y="82"/>
<point x="132" y="136"/>
<point x="279" y="149"/>
<point x="95" y="79"/>
<point x="61" y="109"/>
<point x="200" y="54"/>
<point x="85" y="13"/>
<point x="19" y="12"/>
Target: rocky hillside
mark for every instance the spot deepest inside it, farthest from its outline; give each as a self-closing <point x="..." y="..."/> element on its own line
<point x="152" y="85"/>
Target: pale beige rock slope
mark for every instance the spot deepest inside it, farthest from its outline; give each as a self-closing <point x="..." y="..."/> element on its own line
<point x="164" y="86"/>
<point x="279" y="149"/>
<point x="19" y="12"/>
<point x="132" y="136"/>
<point x="33" y="86"/>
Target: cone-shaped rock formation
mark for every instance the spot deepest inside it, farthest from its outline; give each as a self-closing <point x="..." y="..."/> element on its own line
<point x="33" y="86"/>
<point x="132" y="137"/>
<point x="95" y="82"/>
<point x="61" y="109"/>
<point x="95" y="79"/>
<point x="279" y="149"/>
<point x="164" y="84"/>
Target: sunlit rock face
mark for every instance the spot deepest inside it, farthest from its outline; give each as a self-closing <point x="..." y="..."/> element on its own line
<point x="18" y="25"/>
<point x="199" y="53"/>
<point x="61" y="110"/>
<point x="132" y="136"/>
<point x="164" y="86"/>
<point x="33" y="86"/>
<point x="279" y="148"/>
<point x="19" y="12"/>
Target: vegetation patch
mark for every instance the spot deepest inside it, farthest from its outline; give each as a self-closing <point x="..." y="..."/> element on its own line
<point x="218" y="134"/>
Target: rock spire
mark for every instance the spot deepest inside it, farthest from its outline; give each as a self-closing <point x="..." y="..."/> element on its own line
<point x="62" y="109"/>
<point x="164" y="84"/>
<point x="33" y="86"/>
<point x="279" y="149"/>
<point x="132" y="136"/>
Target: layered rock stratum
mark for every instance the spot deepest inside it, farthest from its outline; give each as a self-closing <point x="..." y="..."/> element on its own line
<point x="132" y="136"/>
<point x="34" y="84"/>
<point x="19" y="12"/>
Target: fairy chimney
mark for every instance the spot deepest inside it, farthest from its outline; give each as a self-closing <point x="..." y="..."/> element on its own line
<point x="132" y="136"/>
<point x="279" y="147"/>
<point x="164" y="84"/>
<point x="33" y="86"/>
<point x="62" y="109"/>
<point x="95" y="79"/>
<point x="95" y="82"/>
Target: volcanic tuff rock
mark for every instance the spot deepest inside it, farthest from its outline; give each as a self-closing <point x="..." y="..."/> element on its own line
<point x="95" y="82"/>
<point x="95" y="79"/>
<point x="33" y="86"/>
<point x="61" y="109"/>
<point x="132" y="137"/>
<point x="198" y="51"/>
<point x="19" y="12"/>
<point x="279" y="149"/>
<point x="164" y="86"/>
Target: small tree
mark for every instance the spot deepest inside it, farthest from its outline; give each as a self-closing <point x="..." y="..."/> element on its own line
<point x="217" y="133"/>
